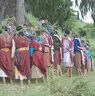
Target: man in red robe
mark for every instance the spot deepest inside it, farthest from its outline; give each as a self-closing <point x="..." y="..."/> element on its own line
<point x="22" y="59"/>
<point x="5" y="56"/>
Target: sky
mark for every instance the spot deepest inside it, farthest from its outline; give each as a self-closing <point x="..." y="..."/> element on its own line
<point x="87" y="18"/>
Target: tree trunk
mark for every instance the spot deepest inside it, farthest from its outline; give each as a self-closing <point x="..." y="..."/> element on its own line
<point x="20" y="12"/>
<point x="7" y="8"/>
<point x="3" y="5"/>
<point x="13" y="8"/>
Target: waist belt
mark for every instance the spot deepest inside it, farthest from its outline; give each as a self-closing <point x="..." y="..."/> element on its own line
<point x="22" y="49"/>
<point x="5" y="49"/>
<point x="46" y="45"/>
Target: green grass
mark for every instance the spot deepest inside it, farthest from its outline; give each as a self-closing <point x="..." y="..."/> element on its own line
<point x="76" y="86"/>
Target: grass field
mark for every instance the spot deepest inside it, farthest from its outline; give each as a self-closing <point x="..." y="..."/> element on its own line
<point x="76" y="86"/>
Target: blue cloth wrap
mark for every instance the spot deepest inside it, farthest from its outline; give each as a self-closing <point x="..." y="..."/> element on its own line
<point x="31" y="50"/>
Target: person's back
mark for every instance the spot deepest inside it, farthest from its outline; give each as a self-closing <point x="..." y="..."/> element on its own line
<point x="66" y="45"/>
<point x="79" y="57"/>
<point x="76" y="44"/>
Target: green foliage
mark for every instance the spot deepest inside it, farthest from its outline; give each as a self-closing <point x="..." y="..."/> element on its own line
<point x="73" y="24"/>
<point x="90" y="30"/>
<point x="32" y="20"/>
<point x="70" y="23"/>
<point x="82" y="32"/>
<point x="57" y="11"/>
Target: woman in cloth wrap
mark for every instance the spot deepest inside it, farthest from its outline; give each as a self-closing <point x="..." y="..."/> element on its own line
<point x="68" y="53"/>
<point x="5" y="55"/>
<point x="46" y="50"/>
<point x="84" y="65"/>
<point x="57" y="43"/>
<point x="22" y="59"/>
<point x="78" y="54"/>
<point x="37" y="59"/>
<point x="89" y="57"/>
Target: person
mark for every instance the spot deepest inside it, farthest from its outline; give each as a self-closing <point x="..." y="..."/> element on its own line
<point x="48" y="26"/>
<point x="28" y="31"/>
<point x="57" y="54"/>
<point x="37" y="59"/>
<point x="84" y="65"/>
<point x="89" y="56"/>
<point x="22" y="59"/>
<point x="78" y="55"/>
<point x="5" y="55"/>
<point x="68" y="53"/>
<point x="11" y="26"/>
<point x="46" y="50"/>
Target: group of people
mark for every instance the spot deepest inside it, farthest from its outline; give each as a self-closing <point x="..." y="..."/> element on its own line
<point x="35" y="54"/>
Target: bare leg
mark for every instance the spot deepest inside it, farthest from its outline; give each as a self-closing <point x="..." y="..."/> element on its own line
<point x="4" y="80"/>
<point x="47" y="72"/>
<point x="51" y="71"/>
<point x="85" y="71"/>
<point x="11" y="82"/>
<point x="67" y="72"/>
<point x="46" y="58"/>
<point x="89" y="66"/>
<point x="43" y="78"/>
<point x="60" y="70"/>
<point x="21" y="83"/>
<point x="70" y="72"/>
<point x="57" y="71"/>
<point x="79" y="71"/>
<point x="29" y="82"/>
<point x="36" y="81"/>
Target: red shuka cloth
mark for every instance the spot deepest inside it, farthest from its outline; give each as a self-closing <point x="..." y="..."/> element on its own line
<point x="57" y="52"/>
<point x="22" y="59"/>
<point x="37" y="58"/>
<point x="57" y="57"/>
<point x="5" y="56"/>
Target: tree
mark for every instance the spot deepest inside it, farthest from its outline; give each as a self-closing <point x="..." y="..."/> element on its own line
<point x="57" y="11"/>
<point x="20" y="12"/>
<point x="82" y="32"/>
<point x="90" y="30"/>
<point x="13" y="8"/>
<point x="7" y="8"/>
<point x="85" y="6"/>
<point x="3" y="5"/>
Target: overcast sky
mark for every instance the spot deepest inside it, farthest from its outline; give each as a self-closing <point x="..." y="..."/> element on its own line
<point x="87" y="18"/>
